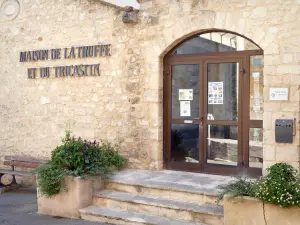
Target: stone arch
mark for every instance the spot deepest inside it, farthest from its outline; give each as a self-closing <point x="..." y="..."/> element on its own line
<point x="186" y="37"/>
<point x="206" y="21"/>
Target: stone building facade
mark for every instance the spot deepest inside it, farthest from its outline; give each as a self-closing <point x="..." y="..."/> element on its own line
<point x="125" y="103"/>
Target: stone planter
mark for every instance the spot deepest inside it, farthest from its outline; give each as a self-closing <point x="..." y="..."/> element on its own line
<point x="79" y="195"/>
<point x="251" y="211"/>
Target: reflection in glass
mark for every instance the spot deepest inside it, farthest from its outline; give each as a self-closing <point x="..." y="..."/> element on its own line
<point x="222" y="91"/>
<point x="214" y="42"/>
<point x="222" y="145"/>
<point x="256" y="87"/>
<point x="256" y="147"/>
<point x="185" y="78"/>
<point x="184" y="143"/>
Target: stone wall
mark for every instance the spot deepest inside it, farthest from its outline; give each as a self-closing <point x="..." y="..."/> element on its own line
<point x="125" y="102"/>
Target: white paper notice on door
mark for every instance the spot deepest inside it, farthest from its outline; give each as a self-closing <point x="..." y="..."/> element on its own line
<point x="215" y="93"/>
<point x="185" y="94"/>
<point x="185" y="108"/>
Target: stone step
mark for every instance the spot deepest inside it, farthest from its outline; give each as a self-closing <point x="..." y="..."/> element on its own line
<point x="174" y="185"/>
<point x="118" y="217"/>
<point x="181" y="195"/>
<point x="201" y="213"/>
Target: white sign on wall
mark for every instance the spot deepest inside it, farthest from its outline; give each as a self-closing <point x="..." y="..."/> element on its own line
<point x="279" y="94"/>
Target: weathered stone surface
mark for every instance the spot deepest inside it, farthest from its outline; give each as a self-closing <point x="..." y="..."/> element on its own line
<point x="160" y="202"/>
<point x="94" y="213"/>
<point x="269" y="152"/>
<point x="249" y="213"/>
<point x="167" y="179"/>
<point x="277" y="215"/>
<point x="67" y="203"/>
<point x="241" y="211"/>
<point x="117" y="105"/>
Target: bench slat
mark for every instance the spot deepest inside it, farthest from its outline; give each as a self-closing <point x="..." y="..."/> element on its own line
<point x="18" y="173"/>
<point x="21" y="164"/>
<point x="24" y="159"/>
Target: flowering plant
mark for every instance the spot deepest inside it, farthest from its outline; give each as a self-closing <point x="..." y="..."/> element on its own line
<point x="281" y="187"/>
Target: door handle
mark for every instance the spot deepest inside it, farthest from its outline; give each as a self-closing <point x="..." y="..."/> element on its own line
<point x="202" y="121"/>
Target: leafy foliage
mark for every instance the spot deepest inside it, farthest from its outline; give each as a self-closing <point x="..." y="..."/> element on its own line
<point x="239" y="187"/>
<point x="77" y="157"/>
<point x="281" y="187"/>
<point x="50" y="179"/>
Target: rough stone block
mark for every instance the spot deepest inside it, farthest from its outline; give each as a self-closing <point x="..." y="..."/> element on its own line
<point x="287" y="153"/>
<point x="269" y="152"/>
<point x="67" y="203"/>
<point x="259" y="12"/>
<point x="249" y="211"/>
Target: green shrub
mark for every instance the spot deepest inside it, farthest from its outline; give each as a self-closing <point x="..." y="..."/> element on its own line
<point x="50" y="179"/>
<point x="239" y="187"/>
<point x="281" y="187"/>
<point x="77" y="157"/>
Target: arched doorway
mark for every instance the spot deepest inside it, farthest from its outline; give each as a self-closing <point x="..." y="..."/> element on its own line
<point x="213" y="105"/>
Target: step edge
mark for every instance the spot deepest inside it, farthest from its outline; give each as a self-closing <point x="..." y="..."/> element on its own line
<point x="162" y="188"/>
<point x="110" y="217"/>
<point x="83" y="211"/>
<point x="98" y="194"/>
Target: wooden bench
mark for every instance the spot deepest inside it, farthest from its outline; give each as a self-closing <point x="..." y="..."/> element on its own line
<point x="18" y="161"/>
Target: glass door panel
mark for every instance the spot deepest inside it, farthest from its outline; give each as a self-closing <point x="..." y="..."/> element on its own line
<point x="256" y="112"/>
<point x="222" y="91"/>
<point x="184" y="143"/>
<point x="256" y="88"/>
<point x="185" y="114"/>
<point x="185" y="92"/>
<point x="222" y="145"/>
<point x="256" y="147"/>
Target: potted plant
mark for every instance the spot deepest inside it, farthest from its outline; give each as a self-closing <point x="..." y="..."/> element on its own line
<point x="76" y="169"/>
<point x="273" y="199"/>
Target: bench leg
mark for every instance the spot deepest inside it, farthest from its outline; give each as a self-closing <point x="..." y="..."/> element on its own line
<point x="1" y="184"/>
<point x="13" y="182"/>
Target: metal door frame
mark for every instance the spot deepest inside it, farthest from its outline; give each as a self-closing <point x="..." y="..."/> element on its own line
<point x="244" y="123"/>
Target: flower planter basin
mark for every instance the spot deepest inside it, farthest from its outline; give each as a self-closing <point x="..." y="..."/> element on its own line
<point x="251" y="211"/>
<point x="79" y="195"/>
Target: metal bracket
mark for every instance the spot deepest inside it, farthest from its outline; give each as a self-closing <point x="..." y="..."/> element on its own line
<point x="294" y="127"/>
<point x="130" y="15"/>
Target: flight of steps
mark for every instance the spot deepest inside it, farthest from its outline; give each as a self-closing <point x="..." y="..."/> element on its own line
<point x="138" y="201"/>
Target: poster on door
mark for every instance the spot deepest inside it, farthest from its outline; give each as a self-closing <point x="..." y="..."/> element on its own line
<point x="215" y="93"/>
<point x="185" y="108"/>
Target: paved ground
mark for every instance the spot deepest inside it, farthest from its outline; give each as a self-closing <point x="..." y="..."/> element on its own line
<point x="20" y="208"/>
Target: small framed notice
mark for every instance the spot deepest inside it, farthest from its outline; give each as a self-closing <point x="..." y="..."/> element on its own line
<point x="185" y="94"/>
<point x="279" y="94"/>
<point x="185" y="108"/>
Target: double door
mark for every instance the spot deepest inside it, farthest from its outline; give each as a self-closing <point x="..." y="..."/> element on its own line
<point x="206" y="113"/>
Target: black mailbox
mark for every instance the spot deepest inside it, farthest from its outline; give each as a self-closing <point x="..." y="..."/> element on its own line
<point x="284" y="131"/>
